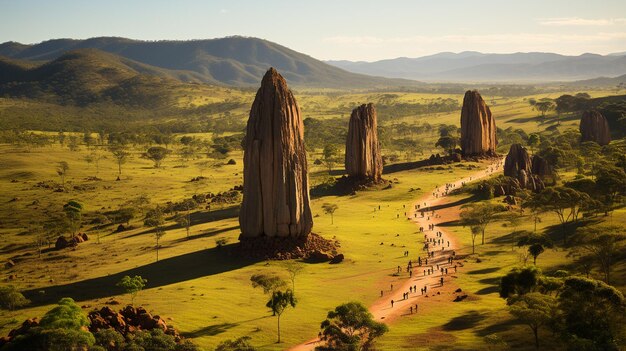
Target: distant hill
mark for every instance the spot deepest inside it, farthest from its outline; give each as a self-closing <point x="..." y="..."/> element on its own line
<point x="235" y="61"/>
<point x="85" y="76"/>
<point x="473" y="66"/>
<point x="601" y="82"/>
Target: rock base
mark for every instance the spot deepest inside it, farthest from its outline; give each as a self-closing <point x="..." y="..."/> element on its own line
<point x="312" y="247"/>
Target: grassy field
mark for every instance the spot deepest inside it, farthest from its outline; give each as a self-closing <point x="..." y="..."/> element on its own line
<point x="205" y="291"/>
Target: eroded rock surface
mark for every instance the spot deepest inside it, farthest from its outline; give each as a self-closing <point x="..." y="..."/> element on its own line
<point x="363" y="158"/>
<point x="594" y="127"/>
<point x="276" y="185"/>
<point x="478" y="127"/>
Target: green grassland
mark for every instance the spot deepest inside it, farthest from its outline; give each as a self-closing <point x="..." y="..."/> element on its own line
<point x="205" y="291"/>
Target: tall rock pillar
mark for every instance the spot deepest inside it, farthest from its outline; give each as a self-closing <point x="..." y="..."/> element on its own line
<point x="363" y="158"/>
<point x="478" y="127"/>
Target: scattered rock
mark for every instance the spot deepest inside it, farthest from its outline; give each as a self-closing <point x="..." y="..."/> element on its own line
<point x="275" y="189"/>
<point x="478" y="127"/>
<point x="9" y="264"/>
<point x="459" y="298"/>
<point x="61" y="243"/>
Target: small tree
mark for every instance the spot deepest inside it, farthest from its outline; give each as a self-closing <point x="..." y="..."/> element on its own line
<point x="535" y="310"/>
<point x="239" y="344"/>
<point x="329" y="155"/>
<point x="330" y="209"/>
<point x="293" y="268"/>
<point x="604" y="243"/>
<point x="350" y="327"/>
<point x="536" y="244"/>
<point x="154" y="218"/>
<point x="132" y="286"/>
<point x="74" y="213"/>
<point x="121" y="155"/>
<point x="62" y="168"/>
<point x="279" y="302"/>
<point x="269" y="283"/>
<point x="533" y="141"/>
<point x="156" y="154"/>
<point x="480" y="215"/>
<point x="11" y="298"/>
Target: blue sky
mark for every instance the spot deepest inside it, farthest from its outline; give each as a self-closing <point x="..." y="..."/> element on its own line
<point x="338" y="29"/>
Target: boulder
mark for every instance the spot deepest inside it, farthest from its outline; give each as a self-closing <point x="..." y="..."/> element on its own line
<point x="516" y="161"/>
<point x="594" y="127"/>
<point x="276" y="184"/>
<point x="9" y="264"/>
<point x="337" y="259"/>
<point x="84" y="236"/>
<point x="320" y="256"/>
<point x="61" y="243"/>
<point x="478" y="127"/>
<point x="363" y="158"/>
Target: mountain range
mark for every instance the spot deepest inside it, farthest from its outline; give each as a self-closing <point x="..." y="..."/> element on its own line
<point x="471" y="66"/>
<point x="233" y="61"/>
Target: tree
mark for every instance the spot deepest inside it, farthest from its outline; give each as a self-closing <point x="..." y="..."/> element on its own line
<point x="330" y="209"/>
<point x="132" y="286"/>
<point x="533" y="141"/>
<point x="239" y="344"/>
<point x="279" y="302"/>
<point x="611" y="181"/>
<point x="74" y="213"/>
<point x="348" y="327"/>
<point x="156" y="154"/>
<point x="592" y="311"/>
<point x="565" y="202"/>
<point x="519" y="281"/>
<point x="121" y="155"/>
<point x="62" y="168"/>
<point x="448" y="143"/>
<point x="329" y="155"/>
<point x="70" y="317"/>
<point x="154" y="218"/>
<point x="535" y="310"/>
<point x="544" y="105"/>
<point x="480" y="215"/>
<point x="536" y="244"/>
<point x="11" y="298"/>
<point x="293" y="268"/>
<point x="269" y="283"/>
<point x="474" y="231"/>
<point x="604" y="243"/>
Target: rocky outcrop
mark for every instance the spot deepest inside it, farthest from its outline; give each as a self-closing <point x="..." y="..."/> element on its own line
<point x="540" y="167"/>
<point x="594" y="127"/>
<point x="276" y="185"/>
<point x="128" y="320"/>
<point x="478" y="127"/>
<point x="363" y="158"/>
<point x="517" y="160"/>
<point x="518" y="165"/>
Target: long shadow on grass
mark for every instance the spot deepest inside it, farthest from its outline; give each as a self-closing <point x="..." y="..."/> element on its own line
<point x="484" y="271"/>
<point x="165" y="272"/>
<point x="206" y="234"/>
<point x="460" y="202"/>
<point x="466" y="321"/>
<point x="210" y="330"/>
<point x="496" y="328"/>
<point x="197" y="218"/>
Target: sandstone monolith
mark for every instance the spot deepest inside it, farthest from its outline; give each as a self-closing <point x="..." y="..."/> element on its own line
<point x="540" y="166"/>
<point x="275" y="185"/>
<point x="594" y="127"/>
<point x="478" y="127"/>
<point x="363" y="158"/>
<point x="517" y="160"/>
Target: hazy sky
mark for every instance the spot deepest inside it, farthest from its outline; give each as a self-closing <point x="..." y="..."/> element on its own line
<point x="337" y="29"/>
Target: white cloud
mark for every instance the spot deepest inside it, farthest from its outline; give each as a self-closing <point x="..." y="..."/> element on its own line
<point x="577" y="21"/>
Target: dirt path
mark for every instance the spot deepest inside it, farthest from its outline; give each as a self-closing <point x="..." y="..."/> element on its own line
<point x="382" y="309"/>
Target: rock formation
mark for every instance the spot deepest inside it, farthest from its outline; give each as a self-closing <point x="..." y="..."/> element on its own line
<point x="518" y="165"/>
<point x="363" y="158"/>
<point x="275" y="179"/>
<point x="540" y="167"/>
<point x="594" y="127"/>
<point x="516" y="161"/>
<point x="478" y="127"/>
